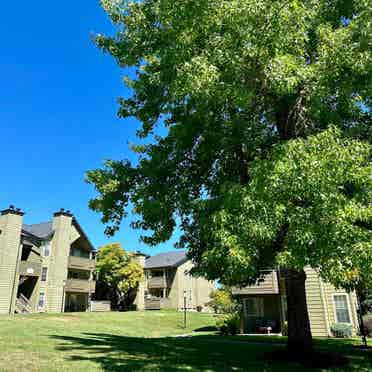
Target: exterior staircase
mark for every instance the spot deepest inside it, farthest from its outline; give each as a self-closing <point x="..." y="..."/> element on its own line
<point x="23" y="305"/>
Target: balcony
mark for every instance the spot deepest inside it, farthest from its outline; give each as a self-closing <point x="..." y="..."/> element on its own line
<point x="30" y="268"/>
<point x="156" y="303"/>
<point x="157" y="282"/>
<point x="79" y="285"/>
<point x="267" y="285"/>
<point x="81" y="263"/>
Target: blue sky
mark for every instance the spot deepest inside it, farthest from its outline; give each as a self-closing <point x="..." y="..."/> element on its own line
<point x="58" y="104"/>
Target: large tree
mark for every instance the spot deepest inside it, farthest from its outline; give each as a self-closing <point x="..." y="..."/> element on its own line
<point x="231" y="80"/>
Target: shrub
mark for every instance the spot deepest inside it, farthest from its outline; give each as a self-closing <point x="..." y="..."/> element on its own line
<point x="221" y="301"/>
<point x="285" y="329"/>
<point x="341" y="330"/>
<point x="228" y="324"/>
<point x="367" y="321"/>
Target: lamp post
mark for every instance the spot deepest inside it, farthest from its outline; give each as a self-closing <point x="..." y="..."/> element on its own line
<point x="184" y="308"/>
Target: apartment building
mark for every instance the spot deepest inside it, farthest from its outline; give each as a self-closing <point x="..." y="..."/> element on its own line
<point x="168" y="284"/>
<point x="264" y="304"/>
<point x="45" y="267"/>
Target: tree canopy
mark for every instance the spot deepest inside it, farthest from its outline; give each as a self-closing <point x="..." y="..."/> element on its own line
<point x="314" y="195"/>
<point x="228" y="79"/>
<point x="119" y="272"/>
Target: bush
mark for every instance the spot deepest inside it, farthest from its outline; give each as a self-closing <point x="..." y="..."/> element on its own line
<point x="367" y="321"/>
<point x="221" y="301"/>
<point x="341" y="330"/>
<point x="228" y="324"/>
<point x="285" y="329"/>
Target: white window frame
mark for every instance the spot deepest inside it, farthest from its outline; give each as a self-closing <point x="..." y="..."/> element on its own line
<point x="44" y="301"/>
<point x="347" y="304"/>
<point x="47" y="243"/>
<point x="46" y="276"/>
<point x="259" y="306"/>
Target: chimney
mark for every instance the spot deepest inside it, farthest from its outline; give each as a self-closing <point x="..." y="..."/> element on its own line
<point x="63" y="212"/>
<point x="10" y="249"/>
<point x="12" y="210"/>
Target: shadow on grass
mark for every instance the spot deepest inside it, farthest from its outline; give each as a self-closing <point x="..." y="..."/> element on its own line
<point x="206" y="329"/>
<point x="197" y="353"/>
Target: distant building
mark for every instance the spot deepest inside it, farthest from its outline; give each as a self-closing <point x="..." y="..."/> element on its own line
<point x="168" y="283"/>
<point x="46" y="267"/>
<point x="265" y="304"/>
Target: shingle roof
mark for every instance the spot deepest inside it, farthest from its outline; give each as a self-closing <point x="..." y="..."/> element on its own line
<point x="41" y="230"/>
<point x="169" y="259"/>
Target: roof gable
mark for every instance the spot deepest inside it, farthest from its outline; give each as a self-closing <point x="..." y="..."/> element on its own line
<point x="169" y="259"/>
<point x="41" y="230"/>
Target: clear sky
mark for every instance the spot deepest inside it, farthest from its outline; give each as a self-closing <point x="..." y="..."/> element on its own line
<point x="58" y="104"/>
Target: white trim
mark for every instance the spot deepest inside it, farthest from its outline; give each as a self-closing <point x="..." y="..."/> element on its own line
<point x="44" y="301"/>
<point x="347" y="304"/>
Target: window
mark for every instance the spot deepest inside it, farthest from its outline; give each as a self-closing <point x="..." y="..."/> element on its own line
<point x="253" y="306"/>
<point x="341" y="309"/>
<point x="46" y="247"/>
<point x="41" y="302"/>
<point x="44" y="274"/>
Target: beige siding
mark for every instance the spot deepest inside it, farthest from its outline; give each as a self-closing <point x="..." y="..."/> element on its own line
<point x="315" y="304"/>
<point x="74" y="234"/>
<point x="58" y="262"/>
<point x="269" y="284"/>
<point x="140" y="296"/>
<point x="10" y="242"/>
<point x="200" y="288"/>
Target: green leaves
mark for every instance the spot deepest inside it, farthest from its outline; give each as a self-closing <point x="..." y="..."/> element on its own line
<point x="301" y="186"/>
<point x="118" y="269"/>
<point x="240" y="86"/>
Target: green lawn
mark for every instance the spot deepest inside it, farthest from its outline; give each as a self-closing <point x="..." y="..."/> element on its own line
<point x="141" y="341"/>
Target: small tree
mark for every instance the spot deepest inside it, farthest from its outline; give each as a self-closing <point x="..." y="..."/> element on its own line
<point x="221" y="301"/>
<point x="119" y="274"/>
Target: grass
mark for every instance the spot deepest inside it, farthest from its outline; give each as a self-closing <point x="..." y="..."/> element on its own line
<point x="142" y="341"/>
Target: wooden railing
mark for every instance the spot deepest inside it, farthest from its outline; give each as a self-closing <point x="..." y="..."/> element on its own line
<point x="30" y="268"/>
<point x="157" y="303"/>
<point x="81" y="263"/>
<point x="23" y="305"/>
<point x="79" y="285"/>
<point x="157" y="282"/>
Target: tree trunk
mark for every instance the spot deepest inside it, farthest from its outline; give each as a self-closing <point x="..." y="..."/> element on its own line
<point x="299" y="332"/>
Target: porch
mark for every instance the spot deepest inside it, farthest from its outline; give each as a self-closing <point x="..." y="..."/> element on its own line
<point x="76" y="302"/>
<point x="263" y="314"/>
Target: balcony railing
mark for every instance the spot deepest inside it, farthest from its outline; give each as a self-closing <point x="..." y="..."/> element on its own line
<point x="79" y="285"/>
<point x="157" y="303"/>
<point x="81" y="263"/>
<point x="158" y="282"/>
<point x="30" y="268"/>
